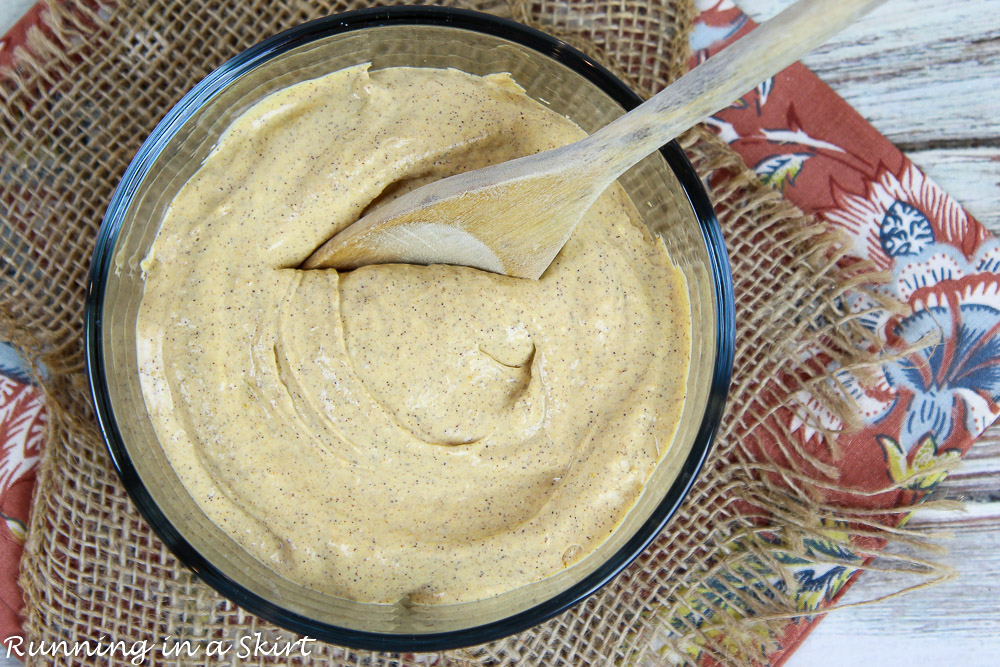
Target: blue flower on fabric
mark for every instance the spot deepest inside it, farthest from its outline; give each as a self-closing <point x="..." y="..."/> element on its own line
<point x="905" y="230"/>
<point x="11" y="364"/>
<point x="961" y="368"/>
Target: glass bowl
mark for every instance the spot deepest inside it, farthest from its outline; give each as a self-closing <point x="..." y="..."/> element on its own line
<point x="664" y="187"/>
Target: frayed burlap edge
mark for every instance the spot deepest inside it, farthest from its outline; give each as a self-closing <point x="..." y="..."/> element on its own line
<point x="717" y="583"/>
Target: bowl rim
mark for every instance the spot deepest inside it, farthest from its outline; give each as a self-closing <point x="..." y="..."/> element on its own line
<point x="214" y="83"/>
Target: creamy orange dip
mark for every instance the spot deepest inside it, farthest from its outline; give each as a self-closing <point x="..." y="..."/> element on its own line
<point x="436" y="433"/>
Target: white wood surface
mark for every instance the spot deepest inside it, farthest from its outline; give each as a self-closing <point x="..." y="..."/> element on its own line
<point x="972" y="174"/>
<point x="11" y="11"/>
<point x="927" y="74"/>
<point x="923" y="71"/>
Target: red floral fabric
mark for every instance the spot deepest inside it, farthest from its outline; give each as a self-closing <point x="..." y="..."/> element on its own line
<point x="22" y="432"/>
<point x="926" y="408"/>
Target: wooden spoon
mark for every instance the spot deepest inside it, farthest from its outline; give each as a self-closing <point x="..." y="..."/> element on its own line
<point x="514" y="217"/>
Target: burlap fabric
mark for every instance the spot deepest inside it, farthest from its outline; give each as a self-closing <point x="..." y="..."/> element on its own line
<point x="83" y="96"/>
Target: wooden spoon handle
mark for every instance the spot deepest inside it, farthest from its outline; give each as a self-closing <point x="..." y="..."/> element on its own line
<point x="718" y="81"/>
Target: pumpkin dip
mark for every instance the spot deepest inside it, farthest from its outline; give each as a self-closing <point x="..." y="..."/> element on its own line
<point x="436" y="433"/>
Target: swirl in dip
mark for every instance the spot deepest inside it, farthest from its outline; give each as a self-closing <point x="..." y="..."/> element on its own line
<point x="436" y="433"/>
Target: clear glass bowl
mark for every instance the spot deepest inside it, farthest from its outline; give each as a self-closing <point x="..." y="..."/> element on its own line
<point x="664" y="187"/>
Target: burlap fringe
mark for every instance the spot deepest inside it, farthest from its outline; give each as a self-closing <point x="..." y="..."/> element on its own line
<point x="718" y="583"/>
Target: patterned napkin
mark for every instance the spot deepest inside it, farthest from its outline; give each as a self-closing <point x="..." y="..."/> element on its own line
<point x="924" y="409"/>
<point x="920" y="414"/>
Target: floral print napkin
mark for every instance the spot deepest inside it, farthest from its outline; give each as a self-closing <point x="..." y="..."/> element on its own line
<point x="924" y="409"/>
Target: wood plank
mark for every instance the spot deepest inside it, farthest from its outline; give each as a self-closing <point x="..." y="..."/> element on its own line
<point x="11" y="12"/>
<point x="973" y="517"/>
<point x="954" y="622"/>
<point x="970" y="175"/>
<point x="908" y="65"/>
<point x="972" y="487"/>
<point x="977" y="477"/>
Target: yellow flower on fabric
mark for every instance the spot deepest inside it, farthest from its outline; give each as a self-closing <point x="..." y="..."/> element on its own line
<point x="922" y="468"/>
<point x="16" y="527"/>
